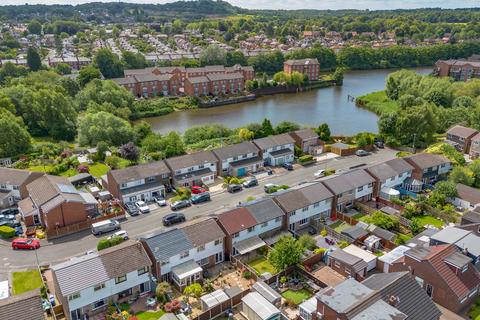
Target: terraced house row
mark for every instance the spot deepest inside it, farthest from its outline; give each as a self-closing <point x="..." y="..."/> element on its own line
<point x="183" y="254"/>
<point x="172" y="81"/>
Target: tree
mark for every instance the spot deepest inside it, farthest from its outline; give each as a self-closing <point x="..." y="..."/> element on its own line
<point x="297" y="79"/>
<point x="13" y="135"/>
<point x="307" y="242"/>
<point x="338" y="76"/>
<point x="281" y="77"/>
<point x="63" y="68"/>
<point x="113" y="161"/>
<point x="267" y="128"/>
<point x="286" y="126"/>
<point x="133" y="60"/>
<point x="383" y="220"/>
<point x="235" y="57"/>
<point x="102" y="148"/>
<point x="323" y="132"/>
<point x="286" y="252"/>
<point x="415" y="226"/>
<point x="475" y="169"/>
<point x="34" y="61"/>
<point x="161" y="291"/>
<point x="108" y="63"/>
<point x="416" y="126"/>
<point x="246" y="134"/>
<point x="213" y="55"/>
<point x="462" y="175"/>
<point x="104" y="126"/>
<point x="87" y="74"/>
<point x="447" y="188"/>
<point x="35" y="27"/>
<point x="172" y="145"/>
<point x="142" y="130"/>
<point x="129" y="151"/>
<point x="195" y="290"/>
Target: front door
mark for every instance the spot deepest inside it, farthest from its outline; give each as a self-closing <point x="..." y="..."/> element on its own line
<point x="76" y="314"/>
<point x="241" y="172"/>
<point x="144" y="287"/>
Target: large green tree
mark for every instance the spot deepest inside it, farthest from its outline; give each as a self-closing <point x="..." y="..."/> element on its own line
<point x="108" y="63"/>
<point x="35" y="27"/>
<point x="213" y="55"/>
<point x="13" y="135"/>
<point x="34" y="61"/>
<point x="132" y="60"/>
<point x="87" y="74"/>
<point x="104" y="126"/>
<point x="287" y="252"/>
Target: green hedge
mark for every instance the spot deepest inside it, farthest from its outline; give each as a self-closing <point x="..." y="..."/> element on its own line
<point x="6" y="232"/>
<point x="305" y="158"/>
<point x="107" y="243"/>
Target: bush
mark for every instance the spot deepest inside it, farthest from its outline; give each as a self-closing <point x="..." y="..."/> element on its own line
<point x="343" y="244"/>
<point x="324" y="233"/>
<point x="6" y="232"/>
<point x="306" y="158"/>
<point x="247" y="275"/>
<point x="319" y="250"/>
<point x="107" y="243"/>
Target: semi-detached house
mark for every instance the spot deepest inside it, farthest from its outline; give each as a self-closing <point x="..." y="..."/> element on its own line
<point x="349" y="187"/>
<point x="140" y="182"/>
<point x="239" y="159"/>
<point x="305" y="205"/>
<point x="248" y="226"/>
<point x="13" y="185"/>
<point x="193" y="169"/>
<point x="390" y="175"/>
<point x="276" y="150"/>
<point x="428" y="168"/>
<point x="181" y="254"/>
<point x="86" y="285"/>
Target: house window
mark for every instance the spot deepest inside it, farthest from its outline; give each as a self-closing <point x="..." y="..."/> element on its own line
<point x="203" y="262"/>
<point x="464" y="299"/>
<point x="164" y="262"/>
<point x="340" y="195"/>
<point x="200" y="248"/>
<point x="99" y="287"/>
<point x="360" y="188"/>
<point x="142" y="271"/>
<point x="304" y="209"/>
<point x="98" y="304"/>
<point x="370" y="184"/>
<point x="121" y="279"/>
<point x="217" y="242"/>
<point x="473" y="292"/>
<point x="74" y="296"/>
<point x="150" y="179"/>
<point x="123" y="185"/>
<point x="316" y="204"/>
<point x="184" y="254"/>
<point x="251" y="229"/>
<point x="303" y="221"/>
<point x="264" y="224"/>
<point x="235" y="235"/>
<point x="292" y="213"/>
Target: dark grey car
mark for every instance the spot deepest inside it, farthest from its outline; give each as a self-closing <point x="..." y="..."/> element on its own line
<point x="177" y="205"/>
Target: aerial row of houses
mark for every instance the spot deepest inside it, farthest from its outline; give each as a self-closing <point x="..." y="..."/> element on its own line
<point x="459" y="70"/>
<point x="171" y="81"/>
<point x="73" y="61"/>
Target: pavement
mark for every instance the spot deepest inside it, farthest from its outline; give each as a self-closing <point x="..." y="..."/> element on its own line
<point x="58" y="250"/>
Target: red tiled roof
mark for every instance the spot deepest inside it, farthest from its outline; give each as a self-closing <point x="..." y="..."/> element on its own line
<point x="236" y="220"/>
<point x="462" y="283"/>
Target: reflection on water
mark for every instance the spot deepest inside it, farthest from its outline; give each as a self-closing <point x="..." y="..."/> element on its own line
<point x="311" y="108"/>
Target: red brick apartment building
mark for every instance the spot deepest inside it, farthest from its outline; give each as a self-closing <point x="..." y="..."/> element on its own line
<point x="208" y="80"/>
<point x="459" y="70"/>
<point x="309" y="67"/>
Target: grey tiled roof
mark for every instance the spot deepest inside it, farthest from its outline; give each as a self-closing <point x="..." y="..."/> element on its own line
<point x="203" y="232"/>
<point x="25" y="306"/>
<point x="413" y="300"/>
<point x="264" y="210"/>
<point x="354" y="232"/>
<point x="355" y="262"/>
<point x="235" y="150"/>
<point x="190" y="160"/>
<point x="295" y="199"/>
<point x="168" y="244"/>
<point x="140" y="171"/>
<point x="348" y="181"/>
<point x="427" y="160"/>
<point x="272" y="141"/>
<point x="380" y="310"/>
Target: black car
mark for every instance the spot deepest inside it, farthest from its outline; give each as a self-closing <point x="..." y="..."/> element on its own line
<point x="288" y="166"/>
<point x="250" y="183"/>
<point x="173" y="218"/>
<point x="132" y="209"/>
<point x="201" y="197"/>
<point x="180" y="204"/>
<point x="232" y="188"/>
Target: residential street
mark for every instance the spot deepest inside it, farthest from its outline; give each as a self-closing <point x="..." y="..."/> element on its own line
<point x="61" y="249"/>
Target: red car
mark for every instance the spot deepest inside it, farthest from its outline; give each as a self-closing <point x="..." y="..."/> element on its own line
<point x="25" y="243"/>
<point x="198" y="189"/>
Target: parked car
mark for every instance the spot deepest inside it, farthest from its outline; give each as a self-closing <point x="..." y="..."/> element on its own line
<point x="232" y="188"/>
<point x="160" y="201"/>
<point x="320" y="173"/>
<point x="132" y="209"/>
<point x="6" y="217"/>
<point x="198" y="190"/>
<point x="379" y="143"/>
<point x="270" y="187"/>
<point x="121" y="233"/>
<point x="185" y="307"/>
<point x="252" y="182"/>
<point x="10" y="223"/>
<point x="177" y="205"/>
<point x="105" y="226"/>
<point x="362" y="153"/>
<point x="288" y="166"/>
<point x="18" y="230"/>
<point x="142" y="206"/>
<point x="25" y="243"/>
<point x="173" y="218"/>
<point x="199" y="198"/>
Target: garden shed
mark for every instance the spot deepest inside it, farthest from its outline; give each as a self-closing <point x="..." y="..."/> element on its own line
<point x="267" y="292"/>
<point x="213" y="299"/>
<point x="256" y="307"/>
<point x="366" y="256"/>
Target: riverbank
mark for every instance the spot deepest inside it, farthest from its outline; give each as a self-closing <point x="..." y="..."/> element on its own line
<point x="377" y="102"/>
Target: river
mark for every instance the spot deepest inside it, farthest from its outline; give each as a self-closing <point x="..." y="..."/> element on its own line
<point x="309" y="108"/>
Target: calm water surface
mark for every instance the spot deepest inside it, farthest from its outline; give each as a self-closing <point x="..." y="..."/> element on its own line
<point x="311" y="108"/>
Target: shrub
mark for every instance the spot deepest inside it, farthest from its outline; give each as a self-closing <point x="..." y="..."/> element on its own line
<point x="306" y="158"/>
<point x="6" y="232"/>
<point x="247" y="275"/>
<point x="324" y="233"/>
<point x="319" y="250"/>
<point x="107" y="243"/>
<point x="343" y="244"/>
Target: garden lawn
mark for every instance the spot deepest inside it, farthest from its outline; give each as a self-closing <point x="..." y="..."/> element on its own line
<point x="45" y="168"/>
<point x="403" y="238"/>
<point x="474" y="312"/>
<point x="423" y="220"/>
<point x="339" y="226"/>
<point x="98" y="169"/>
<point x="262" y="265"/>
<point x="69" y="173"/>
<point x="297" y="296"/>
<point x="149" y="315"/>
<point x="24" y="281"/>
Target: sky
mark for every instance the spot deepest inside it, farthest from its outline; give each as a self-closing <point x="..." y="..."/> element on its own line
<point x="296" y="4"/>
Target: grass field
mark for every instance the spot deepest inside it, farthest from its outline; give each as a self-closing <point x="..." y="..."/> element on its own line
<point x="378" y="102"/>
<point x="423" y="220"/>
<point x="297" y="296"/>
<point x="98" y="169"/>
<point x="261" y="265"/>
<point x="24" y="281"/>
<point x="149" y="315"/>
<point x="45" y="168"/>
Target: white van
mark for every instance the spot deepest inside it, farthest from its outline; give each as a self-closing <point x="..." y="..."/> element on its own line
<point x="105" y="226"/>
